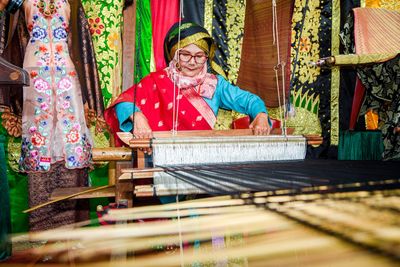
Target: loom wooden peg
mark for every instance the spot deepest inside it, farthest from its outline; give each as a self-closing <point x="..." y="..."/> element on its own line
<point x="140" y="143"/>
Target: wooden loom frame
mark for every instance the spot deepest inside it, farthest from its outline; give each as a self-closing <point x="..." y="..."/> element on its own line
<point x="123" y="187"/>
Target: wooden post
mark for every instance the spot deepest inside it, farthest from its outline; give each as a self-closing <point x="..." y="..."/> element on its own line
<point x="128" y="46"/>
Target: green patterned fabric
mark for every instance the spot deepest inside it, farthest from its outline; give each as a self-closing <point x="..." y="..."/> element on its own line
<point x="105" y="23"/>
<point x="5" y="220"/>
<point x="143" y="48"/>
<point x="366" y="145"/>
<point x="17" y="182"/>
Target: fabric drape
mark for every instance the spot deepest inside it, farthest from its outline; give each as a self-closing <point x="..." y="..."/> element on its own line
<point x="311" y="87"/>
<point x="143" y="54"/>
<point x="82" y="54"/>
<point x="259" y="55"/>
<point x="164" y="13"/>
<point x="5" y="220"/>
<point x="381" y="80"/>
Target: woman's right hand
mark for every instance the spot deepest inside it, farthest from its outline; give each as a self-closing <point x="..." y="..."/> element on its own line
<point x="141" y="128"/>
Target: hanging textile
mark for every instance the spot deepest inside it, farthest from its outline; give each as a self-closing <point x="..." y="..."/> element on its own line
<point x="12" y="101"/>
<point x="164" y="13"/>
<point x="315" y="91"/>
<point x="143" y="54"/>
<point x="224" y="20"/>
<point x="387" y="4"/>
<point x="381" y="80"/>
<point x="5" y="220"/>
<point x="372" y="28"/>
<point x="347" y="75"/>
<point x="260" y="56"/>
<point x="105" y="23"/>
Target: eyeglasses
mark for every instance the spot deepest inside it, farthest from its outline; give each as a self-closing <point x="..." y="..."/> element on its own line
<point x="198" y="58"/>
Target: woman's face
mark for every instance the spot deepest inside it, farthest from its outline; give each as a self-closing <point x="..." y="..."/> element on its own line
<point x="191" y="59"/>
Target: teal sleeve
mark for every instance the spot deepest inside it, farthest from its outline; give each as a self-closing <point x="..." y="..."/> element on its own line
<point x="234" y="98"/>
<point x="123" y="111"/>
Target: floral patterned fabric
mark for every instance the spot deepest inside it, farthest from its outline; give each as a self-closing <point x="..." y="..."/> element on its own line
<point x="105" y="22"/>
<point x="53" y="120"/>
<point x="311" y="88"/>
<point x="382" y="82"/>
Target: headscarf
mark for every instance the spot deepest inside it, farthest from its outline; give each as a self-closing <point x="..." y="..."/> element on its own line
<point x="188" y="33"/>
<point x="203" y="83"/>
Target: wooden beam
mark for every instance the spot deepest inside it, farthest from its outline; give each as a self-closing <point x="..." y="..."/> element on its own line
<point x="128" y="46"/>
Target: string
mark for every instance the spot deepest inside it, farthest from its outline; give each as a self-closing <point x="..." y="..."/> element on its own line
<point x="287" y="177"/>
<point x="175" y="101"/>
<point x="174" y="132"/>
<point x="281" y="65"/>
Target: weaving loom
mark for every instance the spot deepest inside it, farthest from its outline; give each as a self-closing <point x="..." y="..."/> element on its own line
<point x="357" y="227"/>
<point x="199" y="149"/>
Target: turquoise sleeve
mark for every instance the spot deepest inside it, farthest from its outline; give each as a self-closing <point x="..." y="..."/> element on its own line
<point x="123" y="111"/>
<point x="234" y="98"/>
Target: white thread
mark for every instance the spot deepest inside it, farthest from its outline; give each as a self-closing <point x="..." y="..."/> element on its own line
<point x="227" y="149"/>
<point x="175" y="129"/>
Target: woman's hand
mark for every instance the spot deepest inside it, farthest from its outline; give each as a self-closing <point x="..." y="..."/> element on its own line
<point x="260" y="125"/>
<point x="141" y="128"/>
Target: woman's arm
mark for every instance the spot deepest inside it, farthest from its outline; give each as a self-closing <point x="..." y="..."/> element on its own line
<point x="127" y="113"/>
<point x="232" y="97"/>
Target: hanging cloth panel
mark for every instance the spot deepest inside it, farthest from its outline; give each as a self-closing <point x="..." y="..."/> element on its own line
<point x="376" y="31"/>
<point x="259" y="53"/>
<point x="5" y="220"/>
<point x="164" y="13"/>
<point x="311" y="87"/>
<point x="143" y="40"/>
<point x="224" y="20"/>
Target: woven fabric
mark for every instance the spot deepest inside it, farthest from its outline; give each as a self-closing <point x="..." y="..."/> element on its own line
<point x="376" y="30"/>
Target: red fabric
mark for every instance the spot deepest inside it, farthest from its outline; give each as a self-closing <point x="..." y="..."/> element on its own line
<point x="244" y="123"/>
<point x="154" y="97"/>
<point x="358" y="98"/>
<point x="241" y="123"/>
<point x="164" y="13"/>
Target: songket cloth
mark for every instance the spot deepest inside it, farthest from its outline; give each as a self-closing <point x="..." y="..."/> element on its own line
<point x="378" y="31"/>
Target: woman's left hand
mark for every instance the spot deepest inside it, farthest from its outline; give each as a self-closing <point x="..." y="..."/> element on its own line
<point x="260" y="125"/>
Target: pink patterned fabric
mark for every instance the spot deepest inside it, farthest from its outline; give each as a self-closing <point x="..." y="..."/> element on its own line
<point x="204" y="83"/>
<point x="376" y="30"/>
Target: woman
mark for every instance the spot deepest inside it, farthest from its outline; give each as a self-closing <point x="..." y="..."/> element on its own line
<point x="184" y="96"/>
<point x="56" y="141"/>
